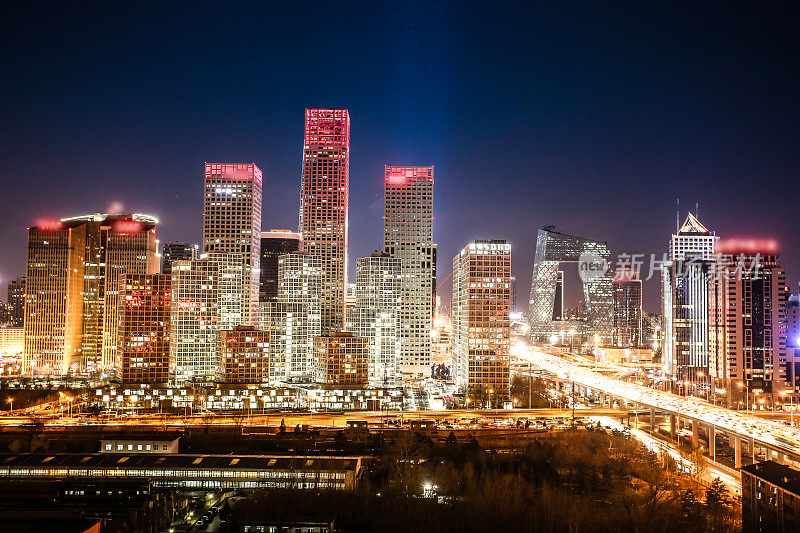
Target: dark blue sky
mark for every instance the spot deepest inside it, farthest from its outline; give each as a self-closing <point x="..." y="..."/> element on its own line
<point x="591" y="116"/>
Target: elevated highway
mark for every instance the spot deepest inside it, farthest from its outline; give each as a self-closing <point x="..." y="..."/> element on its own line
<point x="779" y="442"/>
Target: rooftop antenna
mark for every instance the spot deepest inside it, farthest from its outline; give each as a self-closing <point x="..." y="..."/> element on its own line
<point x="697" y="210"/>
<point x="677" y="214"/>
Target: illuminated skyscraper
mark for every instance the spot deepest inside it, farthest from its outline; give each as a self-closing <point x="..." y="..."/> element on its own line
<point x="296" y="318"/>
<point x="232" y="223"/>
<point x="627" y="290"/>
<point x="274" y="243"/>
<point x="323" y="207"/>
<point x="408" y="236"/>
<point x="16" y="301"/>
<point x="481" y="325"/>
<point x="206" y="299"/>
<point x="685" y="299"/>
<point x="376" y="316"/>
<point x="144" y="328"/>
<point x="747" y="321"/>
<point x="72" y="289"/>
<point x="174" y="251"/>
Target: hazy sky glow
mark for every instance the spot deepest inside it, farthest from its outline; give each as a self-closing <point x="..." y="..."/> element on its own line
<point x="593" y="117"/>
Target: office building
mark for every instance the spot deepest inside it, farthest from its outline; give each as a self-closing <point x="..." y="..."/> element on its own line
<point x="747" y="322"/>
<point x="546" y="303"/>
<point x="206" y="299"/>
<point x="408" y="236"/>
<point x="245" y="355"/>
<point x="323" y="206"/>
<point x="12" y="342"/>
<point x="16" y="301"/>
<point x="144" y="329"/>
<point x="770" y="498"/>
<point x="296" y="318"/>
<point x="686" y="304"/>
<point x="232" y="223"/>
<point x="274" y="243"/>
<point x="375" y="316"/>
<point x="341" y="359"/>
<point x="481" y="324"/>
<point x="628" y="322"/>
<point x="176" y="251"/>
<point x="74" y="269"/>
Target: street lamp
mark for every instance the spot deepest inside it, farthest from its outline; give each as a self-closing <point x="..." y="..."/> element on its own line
<point x="10" y="401"/>
<point x="746" y="385"/>
<point x="791" y="404"/>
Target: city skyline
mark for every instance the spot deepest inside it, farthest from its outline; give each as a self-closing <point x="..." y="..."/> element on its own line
<point x="567" y="151"/>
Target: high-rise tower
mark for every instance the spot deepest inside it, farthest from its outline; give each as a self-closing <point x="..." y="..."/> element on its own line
<point x="16" y="301"/>
<point x="408" y="236"/>
<point x="685" y="299"/>
<point x="376" y="316"/>
<point x="74" y="271"/>
<point x="323" y="204"/>
<point x="232" y="223"/>
<point x="274" y="243"/>
<point x="481" y="325"/>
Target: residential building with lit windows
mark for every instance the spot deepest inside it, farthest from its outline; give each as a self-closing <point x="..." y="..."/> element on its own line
<point x="245" y="355"/>
<point x="626" y="288"/>
<point x="176" y="251"/>
<point x="144" y="329"/>
<point x="324" y="204"/>
<point x="274" y="243"/>
<point x="770" y="498"/>
<point x="686" y="304"/>
<point x="481" y="324"/>
<point x="232" y="223"/>
<point x="16" y="301"/>
<point x="74" y="269"/>
<point x="408" y="236"/>
<point x="747" y="300"/>
<point x="375" y="316"/>
<point x="206" y="299"/>
<point x="296" y="318"/>
<point x="341" y="359"/>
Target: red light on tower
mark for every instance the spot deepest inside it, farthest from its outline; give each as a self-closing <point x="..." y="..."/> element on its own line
<point x="748" y="246"/>
<point x="49" y="225"/>
<point x="126" y="226"/>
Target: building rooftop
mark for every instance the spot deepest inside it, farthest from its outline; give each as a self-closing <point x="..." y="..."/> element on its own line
<point x="181" y="461"/>
<point x="783" y="476"/>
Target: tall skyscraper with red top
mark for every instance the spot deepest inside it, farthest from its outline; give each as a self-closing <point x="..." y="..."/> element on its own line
<point x="323" y="208"/>
<point x="408" y="236"/>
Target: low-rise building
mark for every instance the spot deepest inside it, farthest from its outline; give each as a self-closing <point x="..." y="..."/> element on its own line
<point x="245" y="355"/>
<point x="341" y="359"/>
<point x="153" y="444"/>
<point x="189" y="471"/>
<point x="770" y="498"/>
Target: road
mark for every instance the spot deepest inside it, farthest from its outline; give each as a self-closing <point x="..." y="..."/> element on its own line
<point x="291" y="419"/>
<point x="772" y="434"/>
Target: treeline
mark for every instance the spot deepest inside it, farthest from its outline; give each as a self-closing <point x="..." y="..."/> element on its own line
<point x="576" y="481"/>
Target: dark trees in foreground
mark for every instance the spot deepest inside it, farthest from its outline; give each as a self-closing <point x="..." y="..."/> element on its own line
<point x="571" y="482"/>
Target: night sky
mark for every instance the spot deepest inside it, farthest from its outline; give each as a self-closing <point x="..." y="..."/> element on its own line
<point x="590" y="116"/>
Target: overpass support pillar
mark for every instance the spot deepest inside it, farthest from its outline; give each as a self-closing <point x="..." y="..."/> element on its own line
<point x="652" y="419"/>
<point x="673" y="430"/>
<point x="712" y="443"/>
<point x="732" y="441"/>
<point x="695" y="433"/>
<point x="737" y="452"/>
